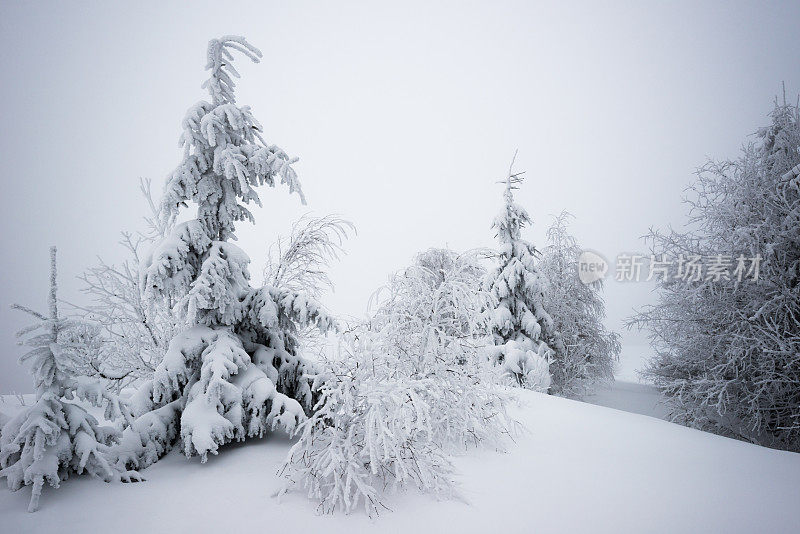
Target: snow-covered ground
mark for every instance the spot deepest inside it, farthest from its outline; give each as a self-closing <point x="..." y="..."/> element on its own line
<point x="579" y="468"/>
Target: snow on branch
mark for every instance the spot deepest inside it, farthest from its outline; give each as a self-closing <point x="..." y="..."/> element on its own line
<point x="300" y="261"/>
<point x="220" y="62"/>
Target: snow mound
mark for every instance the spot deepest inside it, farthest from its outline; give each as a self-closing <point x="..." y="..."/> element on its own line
<point x="580" y="468"/>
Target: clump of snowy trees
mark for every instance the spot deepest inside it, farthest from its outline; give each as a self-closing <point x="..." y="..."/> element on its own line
<point x="180" y="348"/>
<point x="577" y="309"/>
<point x="231" y="368"/>
<point x="547" y="325"/>
<point x="727" y="348"/>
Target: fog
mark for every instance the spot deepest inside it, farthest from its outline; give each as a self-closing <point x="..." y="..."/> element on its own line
<point x="403" y="119"/>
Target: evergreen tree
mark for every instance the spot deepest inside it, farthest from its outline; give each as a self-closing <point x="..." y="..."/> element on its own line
<point x="55" y="437"/>
<point x="235" y="368"/>
<point x="523" y="331"/>
<point x="577" y="310"/>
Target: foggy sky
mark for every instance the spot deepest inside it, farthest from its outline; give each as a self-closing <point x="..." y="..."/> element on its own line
<point x="403" y="117"/>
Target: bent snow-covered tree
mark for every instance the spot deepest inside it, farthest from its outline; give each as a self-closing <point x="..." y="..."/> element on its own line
<point x="523" y="331"/>
<point x="407" y="390"/>
<point x="234" y="372"/>
<point x="577" y="310"/>
<point x="55" y="437"/>
<point x="440" y="294"/>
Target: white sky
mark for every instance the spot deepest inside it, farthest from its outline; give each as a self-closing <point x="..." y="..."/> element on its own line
<point x="403" y="118"/>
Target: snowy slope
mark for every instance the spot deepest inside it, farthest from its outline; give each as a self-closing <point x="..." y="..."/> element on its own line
<point x="581" y="468"/>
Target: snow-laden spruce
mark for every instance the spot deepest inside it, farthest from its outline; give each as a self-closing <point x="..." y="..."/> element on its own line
<point x="56" y="436"/>
<point x="234" y="371"/>
<point x="728" y="343"/>
<point x="524" y="333"/>
<point x="577" y="310"/>
<point x="408" y="389"/>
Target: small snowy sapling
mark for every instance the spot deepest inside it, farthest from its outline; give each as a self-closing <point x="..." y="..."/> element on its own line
<point x="56" y="436"/>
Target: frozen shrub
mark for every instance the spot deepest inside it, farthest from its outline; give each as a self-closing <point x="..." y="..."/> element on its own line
<point x="408" y="390"/>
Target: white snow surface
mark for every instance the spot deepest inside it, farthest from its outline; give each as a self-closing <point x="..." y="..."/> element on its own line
<point x="578" y="468"/>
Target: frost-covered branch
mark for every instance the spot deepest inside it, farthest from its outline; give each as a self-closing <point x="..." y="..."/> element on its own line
<point x="300" y="262"/>
<point x="133" y="334"/>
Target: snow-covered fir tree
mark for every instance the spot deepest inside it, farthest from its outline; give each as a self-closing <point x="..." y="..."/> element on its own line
<point x="56" y="436"/>
<point x="524" y="333"/>
<point x="234" y="371"/>
<point x="577" y="310"/>
<point x="727" y="341"/>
